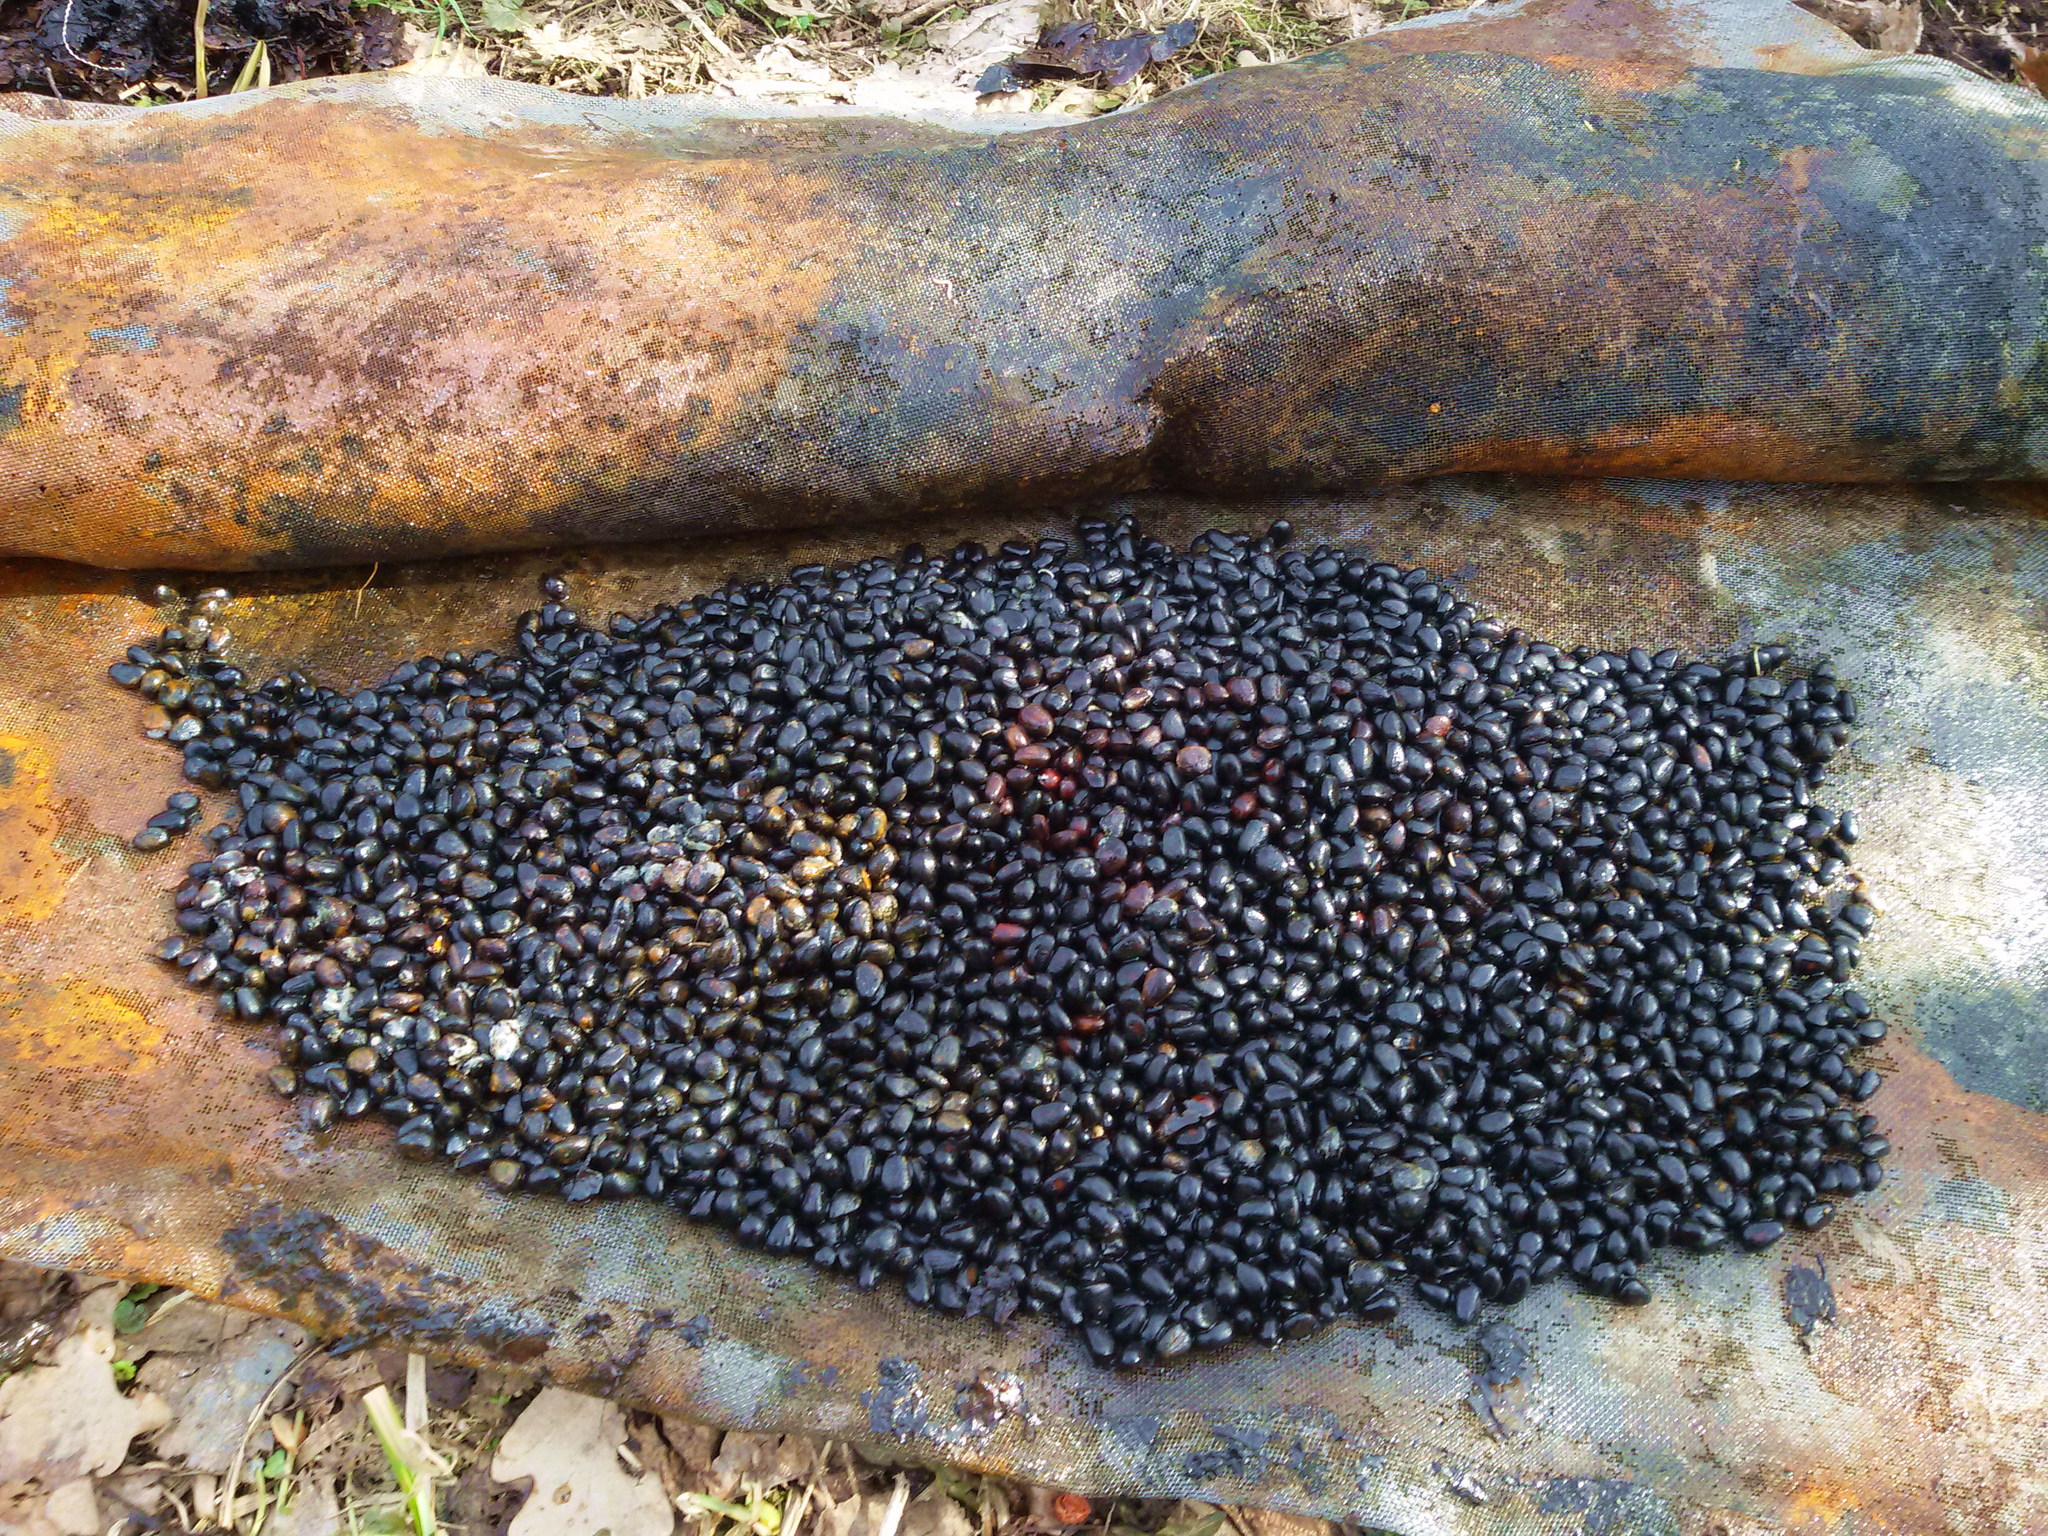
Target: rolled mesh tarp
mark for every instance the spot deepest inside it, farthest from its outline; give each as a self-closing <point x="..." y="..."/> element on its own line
<point x="1558" y="241"/>
<point x="377" y="319"/>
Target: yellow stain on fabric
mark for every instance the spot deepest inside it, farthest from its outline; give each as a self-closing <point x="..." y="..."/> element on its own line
<point x="74" y="1026"/>
<point x="447" y="336"/>
<point x="32" y="872"/>
<point x="92" y="311"/>
<point x="1821" y="1506"/>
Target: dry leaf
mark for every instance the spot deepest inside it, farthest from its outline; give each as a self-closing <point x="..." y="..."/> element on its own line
<point x="1886" y="26"/>
<point x="569" y="1446"/>
<point x="679" y="1450"/>
<point x="74" y="1509"/>
<point x="211" y="1396"/>
<point x="25" y="1510"/>
<point x="2032" y="65"/>
<point x="1077" y="101"/>
<point x="551" y="42"/>
<point x="315" y="1510"/>
<point x="441" y="57"/>
<point x="860" y="1515"/>
<point x="1271" y="1522"/>
<point x="1899" y="27"/>
<point x="762" y="1461"/>
<point x="931" y="1513"/>
<point x="192" y="1327"/>
<point x="1360" y="18"/>
<point x="68" y="1419"/>
<point x="644" y="37"/>
<point x="139" y="1489"/>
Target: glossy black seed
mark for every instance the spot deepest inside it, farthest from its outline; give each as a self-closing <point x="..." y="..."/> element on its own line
<point x="1183" y="943"/>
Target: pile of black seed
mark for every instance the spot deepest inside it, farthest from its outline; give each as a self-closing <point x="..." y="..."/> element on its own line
<point x="1182" y="943"/>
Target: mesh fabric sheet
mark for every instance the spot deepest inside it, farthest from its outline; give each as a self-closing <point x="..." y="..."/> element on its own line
<point x="137" y="1135"/>
<point x="378" y="319"/>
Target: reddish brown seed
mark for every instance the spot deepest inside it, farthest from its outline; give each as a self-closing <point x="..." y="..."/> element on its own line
<point x="1035" y="720"/>
<point x="1071" y="1509"/>
<point x="1192" y="759"/>
<point x="1436" y="726"/>
<point x="1155" y="987"/>
<point x="1006" y="935"/>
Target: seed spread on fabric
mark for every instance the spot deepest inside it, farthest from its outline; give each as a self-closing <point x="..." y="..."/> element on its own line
<point x="1185" y="944"/>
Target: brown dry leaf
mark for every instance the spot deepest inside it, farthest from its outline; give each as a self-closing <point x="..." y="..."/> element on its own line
<point x="679" y="1451"/>
<point x="763" y="1462"/>
<point x="1271" y="1522"/>
<point x="69" y="1419"/>
<point x="315" y="1510"/>
<point x="645" y="37"/>
<point x="26" y="1510"/>
<point x="1358" y="18"/>
<point x="74" y="1508"/>
<point x="442" y="57"/>
<point x="860" y="1515"/>
<point x="211" y="1396"/>
<point x="549" y="41"/>
<point x="186" y="1326"/>
<point x="1077" y="100"/>
<point x="777" y="72"/>
<point x="931" y="1513"/>
<point x="1899" y="27"/>
<point x="136" y="1488"/>
<point x="2032" y="66"/>
<point x="328" y="1382"/>
<point x="1885" y="26"/>
<point x="568" y="1445"/>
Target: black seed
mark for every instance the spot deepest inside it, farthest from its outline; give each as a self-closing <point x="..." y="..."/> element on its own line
<point x="1182" y="943"/>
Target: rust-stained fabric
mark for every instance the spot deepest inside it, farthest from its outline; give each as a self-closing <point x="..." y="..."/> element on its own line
<point x="377" y="318"/>
<point x="139" y="1137"/>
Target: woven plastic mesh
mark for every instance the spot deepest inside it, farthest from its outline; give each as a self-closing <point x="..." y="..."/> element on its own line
<point x="137" y="1134"/>
<point x="371" y="320"/>
<point x="377" y="319"/>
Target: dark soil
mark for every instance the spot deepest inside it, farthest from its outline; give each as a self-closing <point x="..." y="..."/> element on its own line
<point x="2005" y="39"/>
<point x="95" y="50"/>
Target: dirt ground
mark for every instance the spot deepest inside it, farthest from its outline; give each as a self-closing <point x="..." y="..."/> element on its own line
<point x="129" y="1410"/>
<point x="886" y="54"/>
